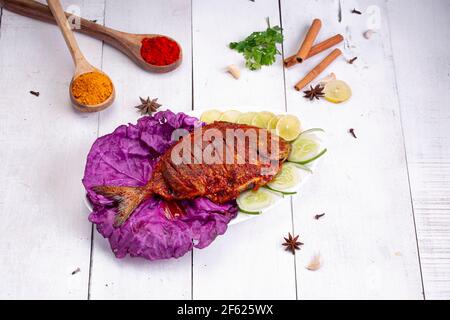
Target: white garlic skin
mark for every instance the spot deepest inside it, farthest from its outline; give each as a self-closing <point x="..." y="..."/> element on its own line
<point x="234" y="71"/>
<point x="368" y="34"/>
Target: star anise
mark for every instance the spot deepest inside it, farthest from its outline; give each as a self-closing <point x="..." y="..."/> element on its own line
<point x="148" y="106"/>
<point x="316" y="92"/>
<point x="292" y="244"/>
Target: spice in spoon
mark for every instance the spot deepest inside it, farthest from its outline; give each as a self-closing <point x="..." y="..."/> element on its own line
<point x="160" y="51"/>
<point x="91" y="88"/>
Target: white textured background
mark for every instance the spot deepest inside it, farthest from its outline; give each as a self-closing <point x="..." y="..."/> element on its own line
<point x="386" y="195"/>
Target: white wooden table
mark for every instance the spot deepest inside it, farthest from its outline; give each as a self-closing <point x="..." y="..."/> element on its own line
<point x="386" y="194"/>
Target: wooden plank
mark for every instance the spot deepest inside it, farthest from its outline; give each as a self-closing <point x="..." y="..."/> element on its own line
<point x="421" y="55"/>
<point x="216" y="24"/>
<point x="44" y="142"/>
<point x="367" y="237"/>
<point x="134" y="278"/>
<point x="248" y="261"/>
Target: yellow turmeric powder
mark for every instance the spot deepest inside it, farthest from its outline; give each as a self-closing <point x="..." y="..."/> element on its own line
<point x="91" y="88"/>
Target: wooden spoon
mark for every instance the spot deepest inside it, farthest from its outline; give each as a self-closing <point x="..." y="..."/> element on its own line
<point x="82" y="66"/>
<point x="128" y="43"/>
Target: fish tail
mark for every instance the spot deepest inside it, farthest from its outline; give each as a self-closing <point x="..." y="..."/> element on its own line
<point x="128" y="199"/>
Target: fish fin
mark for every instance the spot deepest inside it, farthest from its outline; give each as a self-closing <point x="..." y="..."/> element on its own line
<point x="128" y="199"/>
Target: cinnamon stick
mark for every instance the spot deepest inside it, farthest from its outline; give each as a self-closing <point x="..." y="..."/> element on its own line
<point x="318" y="48"/>
<point x="309" y="40"/>
<point x="318" y="69"/>
<point x="290" y="61"/>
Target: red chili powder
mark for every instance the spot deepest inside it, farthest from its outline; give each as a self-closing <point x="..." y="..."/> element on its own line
<point x="159" y="51"/>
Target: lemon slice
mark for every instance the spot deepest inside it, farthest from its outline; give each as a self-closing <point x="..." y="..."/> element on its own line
<point x="230" y="116"/>
<point x="272" y="125"/>
<point x="262" y="119"/>
<point x="246" y="118"/>
<point x="210" y="116"/>
<point x="288" y="127"/>
<point x="337" y="91"/>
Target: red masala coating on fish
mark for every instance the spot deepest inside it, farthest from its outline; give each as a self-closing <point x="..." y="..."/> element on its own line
<point x="240" y="163"/>
<point x="220" y="182"/>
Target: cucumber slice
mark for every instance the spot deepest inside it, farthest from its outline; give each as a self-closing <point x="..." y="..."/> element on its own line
<point x="282" y="193"/>
<point x="308" y="146"/>
<point x="253" y="202"/>
<point x="302" y="166"/>
<point x="249" y="212"/>
<point x="321" y="153"/>
<point x="288" y="179"/>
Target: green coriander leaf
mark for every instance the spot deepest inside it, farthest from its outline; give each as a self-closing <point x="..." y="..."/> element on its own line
<point x="260" y="47"/>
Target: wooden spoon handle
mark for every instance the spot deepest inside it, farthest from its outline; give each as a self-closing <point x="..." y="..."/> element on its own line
<point x="63" y="23"/>
<point x="128" y="43"/>
<point x="39" y="11"/>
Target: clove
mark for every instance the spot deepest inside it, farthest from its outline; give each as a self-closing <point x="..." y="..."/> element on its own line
<point x="352" y="60"/>
<point x="318" y="216"/>
<point x="76" y="271"/>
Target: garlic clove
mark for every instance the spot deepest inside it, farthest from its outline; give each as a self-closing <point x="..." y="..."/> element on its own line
<point x="315" y="263"/>
<point x="234" y="71"/>
<point x="368" y="34"/>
